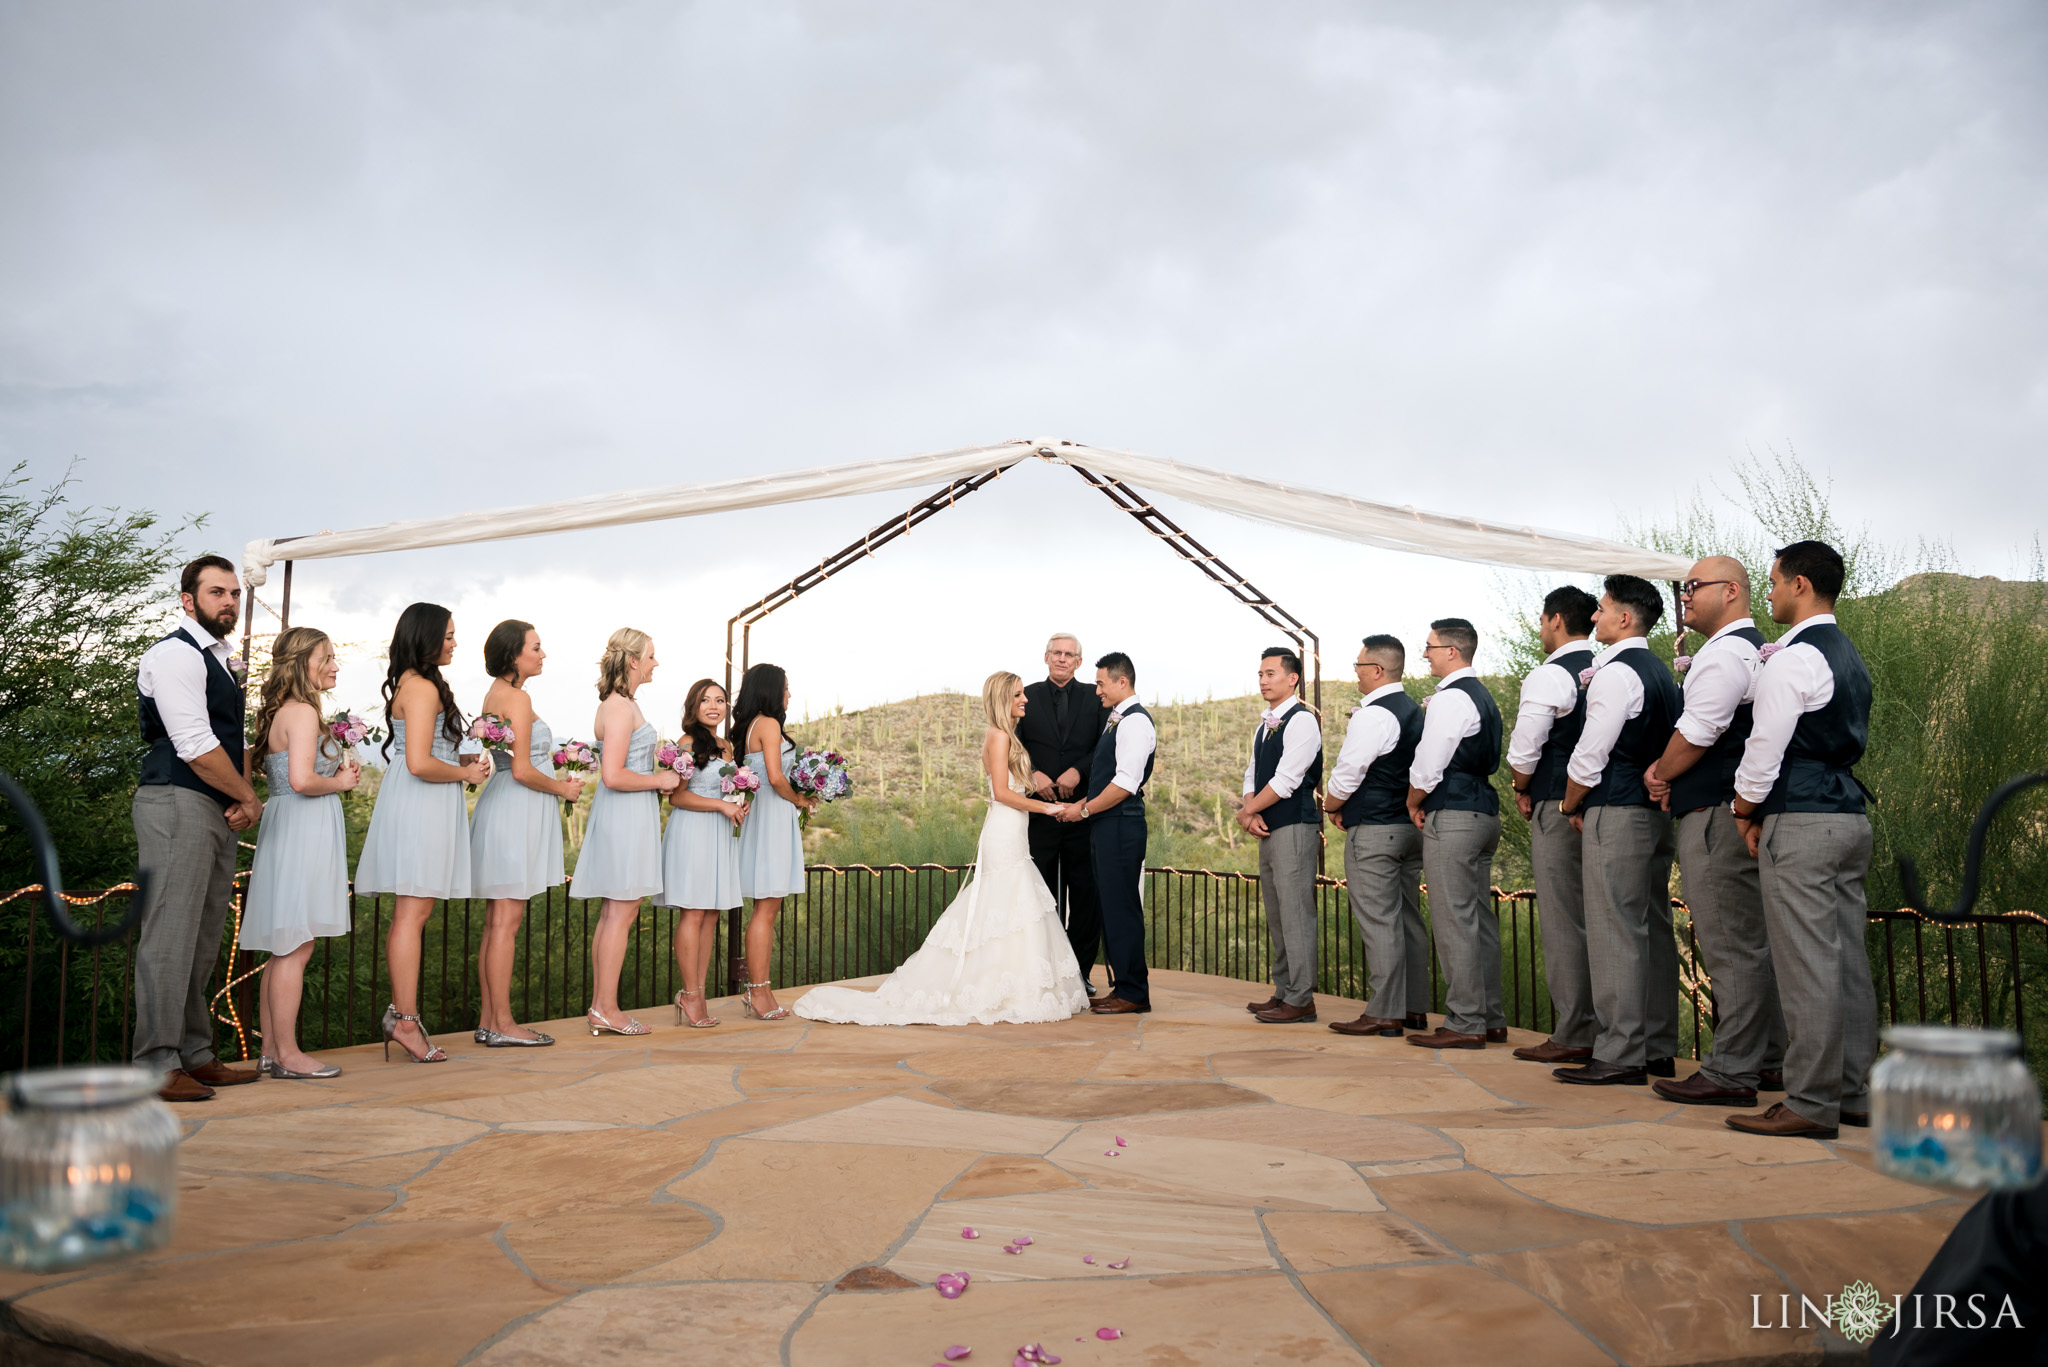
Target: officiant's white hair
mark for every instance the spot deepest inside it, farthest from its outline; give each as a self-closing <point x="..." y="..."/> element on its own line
<point x="1064" y="636"/>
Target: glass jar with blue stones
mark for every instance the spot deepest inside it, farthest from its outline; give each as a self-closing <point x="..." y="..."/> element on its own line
<point x="1956" y="1107"/>
<point x="88" y="1167"/>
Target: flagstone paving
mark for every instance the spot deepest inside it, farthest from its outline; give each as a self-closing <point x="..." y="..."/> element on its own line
<point x="789" y="1192"/>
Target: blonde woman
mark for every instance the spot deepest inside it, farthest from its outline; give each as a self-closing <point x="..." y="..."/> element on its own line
<point x="999" y="953"/>
<point x="621" y="857"/>
<point x="298" y="884"/>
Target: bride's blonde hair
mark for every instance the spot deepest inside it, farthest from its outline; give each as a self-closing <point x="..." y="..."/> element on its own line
<point x="995" y="697"/>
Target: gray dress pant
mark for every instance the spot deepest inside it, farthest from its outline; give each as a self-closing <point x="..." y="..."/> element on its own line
<point x="182" y="838"/>
<point x="1383" y="874"/>
<point x="1723" y="889"/>
<point x="1813" y="865"/>
<point x="1557" y="854"/>
<point x="1287" y="884"/>
<point x="1629" y="944"/>
<point x="1457" y="856"/>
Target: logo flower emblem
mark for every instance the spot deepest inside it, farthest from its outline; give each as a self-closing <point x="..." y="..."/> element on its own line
<point x="1860" y="1312"/>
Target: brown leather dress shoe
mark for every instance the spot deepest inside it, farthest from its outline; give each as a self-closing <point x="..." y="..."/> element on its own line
<point x="1550" y="1051"/>
<point x="1284" y="1014"/>
<point x="1369" y="1025"/>
<point x="1443" y="1037"/>
<point x="214" y="1073"/>
<point x="1416" y="1020"/>
<point x="1783" y="1122"/>
<point x="1116" y="1006"/>
<point x="184" y="1087"/>
<point x="1267" y="1005"/>
<point x="1699" y="1090"/>
<point x="1771" y="1080"/>
<point x="1497" y="1034"/>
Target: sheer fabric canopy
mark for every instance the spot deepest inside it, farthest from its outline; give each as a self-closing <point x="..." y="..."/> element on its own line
<point x="1340" y="516"/>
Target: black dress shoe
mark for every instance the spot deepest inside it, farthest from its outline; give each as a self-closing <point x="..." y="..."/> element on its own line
<point x="1496" y="1034"/>
<point x="1771" y="1080"/>
<point x="1416" y="1020"/>
<point x="1594" y="1073"/>
<point x="1661" y="1067"/>
<point x="1088" y="987"/>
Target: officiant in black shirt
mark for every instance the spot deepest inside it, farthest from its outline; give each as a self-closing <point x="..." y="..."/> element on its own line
<point x="1062" y="721"/>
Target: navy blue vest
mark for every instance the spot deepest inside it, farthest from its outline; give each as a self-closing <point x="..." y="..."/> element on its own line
<point x="1711" y="780"/>
<point x="225" y="708"/>
<point x="1300" y="805"/>
<point x="1102" y="768"/>
<point x="1818" y="773"/>
<point x="1467" y="784"/>
<point x="1382" y="796"/>
<point x="1643" y="736"/>
<point x="1546" y="783"/>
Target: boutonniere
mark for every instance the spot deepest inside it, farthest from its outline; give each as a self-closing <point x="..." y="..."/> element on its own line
<point x="1586" y="676"/>
<point x="1426" y="701"/>
<point x="238" y="667"/>
<point x="1114" y="718"/>
<point x="1764" y="652"/>
<point x="1272" y="725"/>
<point x="1681" y="663"/>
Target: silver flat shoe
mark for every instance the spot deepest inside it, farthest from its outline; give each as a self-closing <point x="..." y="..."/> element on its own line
<point x="491" y="1039"/>
<point x="270" y="1067"/>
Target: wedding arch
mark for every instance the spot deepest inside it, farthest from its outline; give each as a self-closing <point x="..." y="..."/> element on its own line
<point x="962" y="472"/>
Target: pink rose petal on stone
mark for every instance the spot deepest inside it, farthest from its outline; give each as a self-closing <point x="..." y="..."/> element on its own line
<point x="1118" y="1267"/>
<point x="951" y="1284"/>
<point x="1021" y="1239"/>
<point x="1088" y="1258"/>
<point x="1109" y="1334"/>
<point x="956" y="1352"/>
<point x="970" y="1233"/>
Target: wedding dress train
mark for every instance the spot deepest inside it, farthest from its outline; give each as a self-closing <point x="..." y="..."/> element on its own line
<point x="997" y="955"/>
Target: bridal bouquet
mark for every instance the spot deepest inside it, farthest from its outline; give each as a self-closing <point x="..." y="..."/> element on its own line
<point x="736" y="784"/>
<point x="670" y="755"/>
<point x="574" y="756"/>
<point x="493" y="730"/>
<point x="821" y="773"/>
<point x="348" y="730"/>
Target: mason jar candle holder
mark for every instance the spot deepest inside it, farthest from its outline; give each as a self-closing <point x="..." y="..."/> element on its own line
<point x="88" y="1167"/>
<point x="1956" y="1107"/>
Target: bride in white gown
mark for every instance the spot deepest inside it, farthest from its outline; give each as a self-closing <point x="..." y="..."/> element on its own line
<point x="999" y="953"/>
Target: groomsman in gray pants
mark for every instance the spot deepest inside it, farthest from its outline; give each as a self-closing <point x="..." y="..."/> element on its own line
<point x="1632" y="703"/>
<point x="1368" y="801"/>
<point x="1280" y="812"/>
<point x="1800" y="808"/>
<point x="193" y="797"/>
<point x="1695" y="780"/>
<point x="1452" y="802"/>
<point x="1549" y="717"/>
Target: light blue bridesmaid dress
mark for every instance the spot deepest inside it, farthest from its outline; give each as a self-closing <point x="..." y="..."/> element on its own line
<point x="771" y="840"/>
<point x="418" y="845"/>
<point x="515" y="835"/>
<point x="298" y="882"/>
<point x="621" y="855"/>
<point x="700" y="857"/>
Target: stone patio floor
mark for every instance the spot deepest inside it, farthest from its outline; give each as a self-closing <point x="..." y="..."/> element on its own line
<point x="787" y="1192"/>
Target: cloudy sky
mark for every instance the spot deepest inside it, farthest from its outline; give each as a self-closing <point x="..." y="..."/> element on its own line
<point x="324" y="265"/>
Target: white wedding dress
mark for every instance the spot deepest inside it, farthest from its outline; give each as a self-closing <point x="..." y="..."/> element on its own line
<point x="998" y="954"/>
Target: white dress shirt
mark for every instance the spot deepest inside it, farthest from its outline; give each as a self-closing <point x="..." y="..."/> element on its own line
<point x="1613" y="698"/>
<point x="1449" y="717"/>
<point x="1374" y="731"/>
<point x="1301" y="740"/>
<point x="174" y="676"/>
<point x="1794" y="681"/>
<point x="1551" y="691"/>
<point x="1721" y="678"/>
<point x="1135" y="742"/>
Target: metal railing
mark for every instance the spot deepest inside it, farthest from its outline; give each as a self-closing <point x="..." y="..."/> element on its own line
<point x="859" y="920"/>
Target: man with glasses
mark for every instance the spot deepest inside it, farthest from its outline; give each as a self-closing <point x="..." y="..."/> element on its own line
<point x="1549" y="717"/>
<point x="1062" y="721"/>
<point x="1368" y="802"/>
<point x="1452" y="802"/>
<point x="1632" y="703"/>
<point x="1695" y="780"/>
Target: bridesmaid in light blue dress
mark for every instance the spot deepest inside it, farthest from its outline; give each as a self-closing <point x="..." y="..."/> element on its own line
<point x="515" y="834"/>
<point x="771" y="842"/>
<point x="700" y="856"/>
<point x="621" y="856"/>
<point x="418" y="845"/>
<point x="298" y="884"/>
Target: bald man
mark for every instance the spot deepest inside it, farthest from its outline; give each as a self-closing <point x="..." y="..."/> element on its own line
<point x="1695" y="778"/>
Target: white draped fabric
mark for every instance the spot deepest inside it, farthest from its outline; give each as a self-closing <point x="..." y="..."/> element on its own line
<point x="1262" y="500"/>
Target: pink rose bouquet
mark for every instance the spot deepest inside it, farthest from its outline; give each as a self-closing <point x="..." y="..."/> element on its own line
<point x="670" y="755"/>
<point x="737" y="784"/>
<point x="493" y="730"/>
<point x="574" y="756"/>
<point x="348" y="730"/>
<point x="822" y="774"/>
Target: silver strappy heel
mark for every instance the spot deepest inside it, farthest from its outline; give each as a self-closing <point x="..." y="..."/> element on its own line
<point x="747" y="1004"/>
<point x="392" y="1016"/>
<point x="683" y="1017"/>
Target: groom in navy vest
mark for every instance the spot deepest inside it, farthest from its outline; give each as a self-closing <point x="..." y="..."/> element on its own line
<point x="1799" y="806"/>
<point x="193" y="797"/>
<point x="1116" y="801"/>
